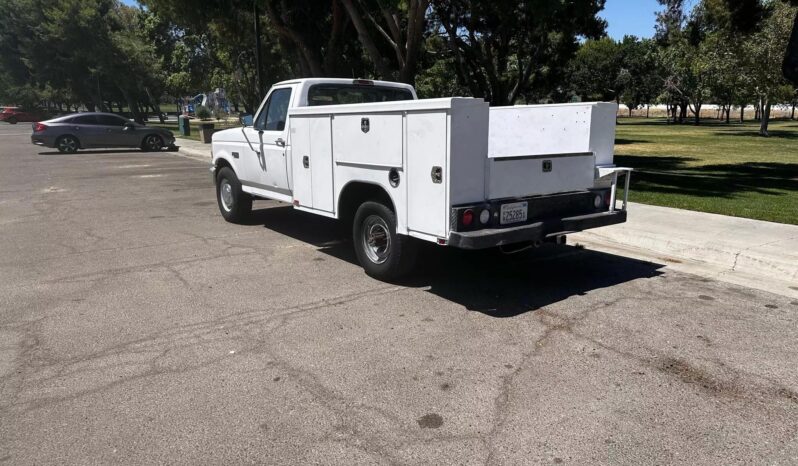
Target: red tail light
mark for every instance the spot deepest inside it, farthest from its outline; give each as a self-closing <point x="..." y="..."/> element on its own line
<point x="607" y="198"/>
<point x="468" y="217"/>
<point x="39" y="127"/>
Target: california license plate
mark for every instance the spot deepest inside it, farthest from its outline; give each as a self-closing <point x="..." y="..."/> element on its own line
<point x="514" y="213"/>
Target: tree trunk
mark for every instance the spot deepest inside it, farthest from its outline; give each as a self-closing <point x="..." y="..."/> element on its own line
<point x="792" y="117"/>
<point x="728" y="114"/>
<point x="742" y="113"/>
<point x="763" y="128"/>
<point x="630" y="111"/>
<point x="697" y="112"/>
<point x="648" y="108"/>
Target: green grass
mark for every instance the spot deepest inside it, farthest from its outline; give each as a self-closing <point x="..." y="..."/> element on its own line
<point x="718" y="168"/>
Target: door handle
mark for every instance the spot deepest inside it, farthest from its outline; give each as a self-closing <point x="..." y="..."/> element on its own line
<point x="280" y="142"/>
<point x="305" y="162"/>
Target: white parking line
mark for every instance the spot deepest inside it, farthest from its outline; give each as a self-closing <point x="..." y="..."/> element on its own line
<point x="15" y="134"/>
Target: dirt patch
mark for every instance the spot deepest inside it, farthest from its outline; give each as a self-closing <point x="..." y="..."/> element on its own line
<point x="696" y="376"/>
<point x="430" y="421"/>
<point x="788" y="394"/>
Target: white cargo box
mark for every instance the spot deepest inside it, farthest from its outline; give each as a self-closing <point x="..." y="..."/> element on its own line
<point x="545" y="149"/>
<point x="363" y="142"/>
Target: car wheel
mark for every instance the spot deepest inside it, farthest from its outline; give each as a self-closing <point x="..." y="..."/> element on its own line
<point x="383" y="254"/>
<point x="12" y="120"/>
<point x="67" y="144"/>
<point x="152" y="143"/>
<point x="234" y="204"/>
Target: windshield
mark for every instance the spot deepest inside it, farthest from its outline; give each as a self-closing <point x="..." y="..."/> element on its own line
<point x="339" y="94"/>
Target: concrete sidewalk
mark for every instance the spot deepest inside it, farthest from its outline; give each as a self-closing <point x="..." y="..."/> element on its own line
<point x="196" y="150"/>
<point x="757" y="254"/>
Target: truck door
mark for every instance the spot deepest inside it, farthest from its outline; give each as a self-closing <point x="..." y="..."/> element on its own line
<point x="269" y="139"/>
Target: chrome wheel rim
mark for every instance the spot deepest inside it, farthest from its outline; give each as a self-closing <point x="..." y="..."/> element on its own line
<point x="376" y="239"/>
<point x="153" y="143"/>
<point x="67" y="144"/>
<point x="226" y="195"/>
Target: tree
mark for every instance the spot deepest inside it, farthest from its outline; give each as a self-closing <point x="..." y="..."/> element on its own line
<point x="401" y="28"/>
<point x="595" y="70"/>
<point x="669" y="21"/>
<point x="640" y="77"/>
<point x="766" y="50"/>
<point x="506" y="49"/>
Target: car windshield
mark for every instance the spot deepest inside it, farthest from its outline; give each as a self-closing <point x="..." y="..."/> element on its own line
<point x="335" y="94"/>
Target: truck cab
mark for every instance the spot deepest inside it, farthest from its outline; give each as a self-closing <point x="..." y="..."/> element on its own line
<point x="452" y="171"/>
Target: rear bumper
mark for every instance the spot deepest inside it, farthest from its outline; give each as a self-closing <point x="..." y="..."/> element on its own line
<point x="44" y="141"/>
<point x="538" y="231"/>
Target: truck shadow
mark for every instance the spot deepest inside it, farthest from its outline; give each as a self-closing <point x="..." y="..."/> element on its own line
<point x="495" y="284"/>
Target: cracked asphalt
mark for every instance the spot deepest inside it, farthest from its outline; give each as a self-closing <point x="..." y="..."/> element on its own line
<point x="136" y="326"/>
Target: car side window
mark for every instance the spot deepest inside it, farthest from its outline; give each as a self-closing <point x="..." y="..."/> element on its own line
<point x="274" y="114"/>
<point x="110" y="120"/>
<point x="85" y="120"/>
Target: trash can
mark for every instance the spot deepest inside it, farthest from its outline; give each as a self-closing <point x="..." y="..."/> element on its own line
<point x="206" y="131"/>
<point x="183" y="126"/>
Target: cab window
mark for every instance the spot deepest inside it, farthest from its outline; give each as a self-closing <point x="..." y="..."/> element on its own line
<point x="275" y="112"/>
<point x="339" y="94"/>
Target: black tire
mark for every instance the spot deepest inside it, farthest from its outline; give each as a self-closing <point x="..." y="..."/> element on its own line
<point x="384" y="255"/>
<point x="12" y="120"/>
<point x="67" y="144"/>
<point x="234" y="204"/>
<point x="151" y="143"/>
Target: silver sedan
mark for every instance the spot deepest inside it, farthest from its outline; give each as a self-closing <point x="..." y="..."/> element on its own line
<point x="92" y="130"/>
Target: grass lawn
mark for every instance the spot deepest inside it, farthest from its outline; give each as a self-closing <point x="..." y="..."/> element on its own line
<point x="718" y="168"/>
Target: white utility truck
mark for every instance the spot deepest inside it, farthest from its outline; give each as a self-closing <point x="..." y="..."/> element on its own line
<point x="451" y="171"/>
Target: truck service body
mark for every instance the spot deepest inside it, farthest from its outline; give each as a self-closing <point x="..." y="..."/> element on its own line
<point x="452" y="171"/>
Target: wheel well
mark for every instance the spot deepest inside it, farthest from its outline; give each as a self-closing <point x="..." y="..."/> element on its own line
<point x="356" y="193"/>
<point x="221" y="163"/>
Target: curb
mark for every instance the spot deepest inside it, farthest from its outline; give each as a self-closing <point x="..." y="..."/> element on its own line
<point x="752" y="253"/>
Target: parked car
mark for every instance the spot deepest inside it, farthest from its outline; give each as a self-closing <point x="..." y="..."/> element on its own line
<point x="92" y="130"/>
<point x="14" y="115"/>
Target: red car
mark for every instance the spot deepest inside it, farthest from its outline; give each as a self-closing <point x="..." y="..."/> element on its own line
<point x="14" y="115"/>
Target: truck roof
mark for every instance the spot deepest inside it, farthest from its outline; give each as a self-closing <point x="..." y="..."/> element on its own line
<point x="311" y="81"/>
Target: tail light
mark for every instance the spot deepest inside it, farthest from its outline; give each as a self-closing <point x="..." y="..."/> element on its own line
<point x="607" y="197"/>
<point x="468" y="217"/>
<point x="39" y="127"/>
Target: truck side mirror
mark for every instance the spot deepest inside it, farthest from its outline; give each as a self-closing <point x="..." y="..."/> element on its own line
<point x="245" y="120"/>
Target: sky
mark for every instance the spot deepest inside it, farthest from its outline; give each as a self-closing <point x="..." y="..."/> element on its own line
<point x="624" y="17"/>
<point x="630" y="17"/>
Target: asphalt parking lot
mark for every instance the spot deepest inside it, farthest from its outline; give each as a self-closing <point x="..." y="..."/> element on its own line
<point x="136" y="326"/>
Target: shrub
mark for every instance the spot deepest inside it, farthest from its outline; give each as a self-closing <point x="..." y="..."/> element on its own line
<point x="202" y="112"/>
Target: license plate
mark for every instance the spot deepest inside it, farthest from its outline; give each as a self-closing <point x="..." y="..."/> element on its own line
<point x="514" y="213"/>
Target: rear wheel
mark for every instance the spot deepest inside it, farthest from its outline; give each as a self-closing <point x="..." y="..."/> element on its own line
<point x="12" y="120"/>
<point x="234" y="204"/>
<point x="152" y="143"/>
<point x="383" y="254"/>
<point x="67" y="144"/>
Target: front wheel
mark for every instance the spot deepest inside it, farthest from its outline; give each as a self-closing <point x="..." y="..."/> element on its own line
<point x="12" y="120"/>
<point x="234" y="204"/>
<point x="383" y="254"/>
<point x="152" y="143"/>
